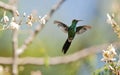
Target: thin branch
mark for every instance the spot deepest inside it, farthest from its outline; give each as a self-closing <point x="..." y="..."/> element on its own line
<point x="8" y="7"/>
<point x="60" y="59"/>
<point x="54" y="8"/>
<point x="30" y="38"/>
<point x="15" y="56"/>
<point x="39" y="27"/>
<point x="14" y="42"/>
<point x="15" y="38"/>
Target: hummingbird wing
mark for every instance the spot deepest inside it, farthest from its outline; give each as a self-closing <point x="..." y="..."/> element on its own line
<point x="62" y="26"/>
<point x="81" y="29"/>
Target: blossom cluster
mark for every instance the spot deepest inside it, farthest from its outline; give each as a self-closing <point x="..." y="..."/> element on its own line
<point x="110" y="57"/>
<point x="14" y="24"/>
<point x="109" y="54"/>
<point x="115" y="26"/>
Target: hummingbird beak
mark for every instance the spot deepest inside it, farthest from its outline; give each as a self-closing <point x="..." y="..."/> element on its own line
<point x="79" y="20"/>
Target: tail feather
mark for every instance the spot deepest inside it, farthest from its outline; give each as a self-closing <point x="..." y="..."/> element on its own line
<point x="66" y="46"/>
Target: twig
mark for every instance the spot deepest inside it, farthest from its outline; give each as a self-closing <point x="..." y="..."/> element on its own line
<point x="8" y="7"/>
<point x="14" y="40"/>
<point x="30" y="38"/>
<point x="59" y="59"/>
<point x="15" y="56"/>
<point x="39" y="27"/>
<point x="54" y="8"/>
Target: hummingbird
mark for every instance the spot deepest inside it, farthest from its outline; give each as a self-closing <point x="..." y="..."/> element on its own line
<point x="72" y="30"/>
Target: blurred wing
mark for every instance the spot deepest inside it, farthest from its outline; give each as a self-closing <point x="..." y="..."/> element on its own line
<point x="82" y="29"/>
<point x="62" y="26"/>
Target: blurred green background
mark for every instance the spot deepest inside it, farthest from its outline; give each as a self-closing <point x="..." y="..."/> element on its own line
<point x="51" y="39"/>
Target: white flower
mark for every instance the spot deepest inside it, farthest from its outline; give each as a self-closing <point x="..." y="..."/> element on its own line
<point x="110" y="19"/>
<point x="5" y="19"/>
<point x="24" y="14"/>
<point x="109" y="54"/>
<point x="30" y="20"/>
<point x="43" y="19"/>
<point x="14" y="26"/>
<point x="17" y="13"/>
<point x="29" y="23"/>
<point x="112" y="50"/>
<point x="30" y="17"/>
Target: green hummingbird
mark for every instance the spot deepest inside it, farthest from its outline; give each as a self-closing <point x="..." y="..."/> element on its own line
<point x="72" y="31"/>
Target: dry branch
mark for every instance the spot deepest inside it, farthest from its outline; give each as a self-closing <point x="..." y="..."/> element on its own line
<point x="15" y="56"/>
<point x="59" y="59"/>
<point x="39" y="27"/>
<point x="8" y="7"/>
<point x="15" y="44"/>
<point x="13" y="8"/>
<point x="14" y="60"/>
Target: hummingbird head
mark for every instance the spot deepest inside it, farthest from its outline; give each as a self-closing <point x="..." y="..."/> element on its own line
<point x="75" y="21"/>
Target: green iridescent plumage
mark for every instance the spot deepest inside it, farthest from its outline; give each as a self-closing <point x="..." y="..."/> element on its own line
<point x="72" y="31"/>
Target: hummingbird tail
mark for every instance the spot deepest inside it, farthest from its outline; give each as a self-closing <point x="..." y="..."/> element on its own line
<point x="66" y="46"/>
